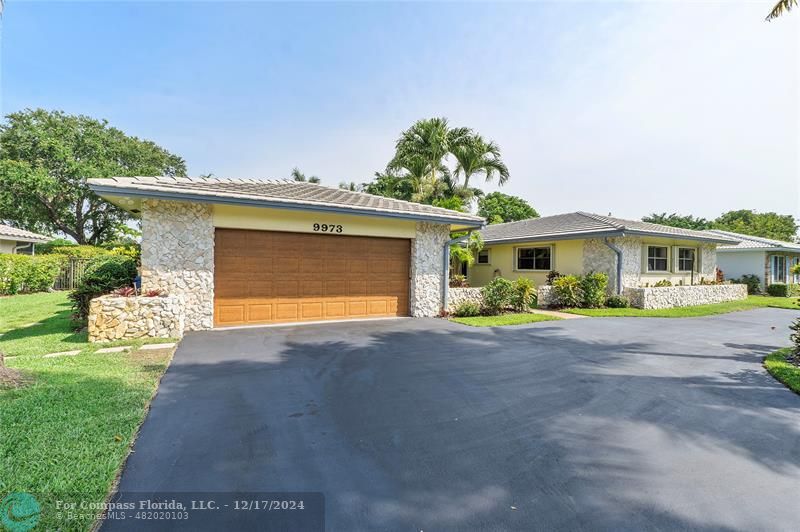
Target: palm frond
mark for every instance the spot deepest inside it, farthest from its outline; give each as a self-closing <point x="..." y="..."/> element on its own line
<point x="783" y="6"/>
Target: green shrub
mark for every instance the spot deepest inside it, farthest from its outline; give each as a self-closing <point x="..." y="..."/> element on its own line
<point x="662" y="283"/>
<point x="783" y="290"/>
<point x="751" y="280"/>
<point x="567" y="289"/>
<point x="26" y="273"/>
<point x="524" y="295"/>
<point x="458" y="281"/>
<point x="76" y="251"/>
<point x="552" y="275"/>
<point x="617" y="302"/>
<point x="497" y="295"/>
<point x="467" y="309"/>
<point x="103" y="275"/>
<point x="593" y="287"/>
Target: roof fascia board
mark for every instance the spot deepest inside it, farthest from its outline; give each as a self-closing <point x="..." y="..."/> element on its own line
<point x="203" y="198"/>
<point x="555" y="237"/>
<point x="680" y="237"/>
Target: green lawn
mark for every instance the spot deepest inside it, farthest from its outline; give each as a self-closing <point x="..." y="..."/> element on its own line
<point x="787" y="373"/>
<point x="38" y="324"/>
<point x="503" y="319"/>
<point x="66" y="434"/>
<point x="687" y="312"/>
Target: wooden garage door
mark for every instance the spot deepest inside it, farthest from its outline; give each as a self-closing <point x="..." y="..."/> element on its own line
<point x="273" y="277"/>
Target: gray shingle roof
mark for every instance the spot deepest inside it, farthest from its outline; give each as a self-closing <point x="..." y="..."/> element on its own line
<point x="587" y="225"/>
<point x="275" y="193"/>
<point x="750" y="242"/>
<point x="12" y="233"/>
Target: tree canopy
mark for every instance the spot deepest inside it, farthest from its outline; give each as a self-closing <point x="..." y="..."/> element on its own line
<point x="420" y="169"/>
<point x="745" y="221"/>
<point x="677" y="220"/>
<point x="500" y="208"/>
<point x="297" y="175"/>
<point x="45" y="159"/>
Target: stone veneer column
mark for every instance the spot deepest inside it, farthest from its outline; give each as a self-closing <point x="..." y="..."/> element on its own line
<point x="598" y="257"/>
<point x="427" y="269"/>
<point x="178" y="256"/>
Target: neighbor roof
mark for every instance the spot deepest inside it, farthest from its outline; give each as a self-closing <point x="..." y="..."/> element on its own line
<point x="587" y="225"/>
<point x="284" y="194"/>
<point x="750" y="242"/>
<point x="12" y="233"/>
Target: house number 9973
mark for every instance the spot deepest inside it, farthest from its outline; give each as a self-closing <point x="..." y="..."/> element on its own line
<point x="328" y="228"/>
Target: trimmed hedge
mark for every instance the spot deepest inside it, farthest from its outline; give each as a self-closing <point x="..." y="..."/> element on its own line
<point x="783" y="290"/>
<point x="751" y="280"/>
<point x="27" y="273"/>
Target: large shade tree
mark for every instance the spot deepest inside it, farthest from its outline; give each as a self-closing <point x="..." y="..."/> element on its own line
<point x="45" y="159"/>
<point x="501" y="208"/>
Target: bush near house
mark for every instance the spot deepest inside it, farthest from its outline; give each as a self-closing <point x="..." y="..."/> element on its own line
<point x="497" y="295"/>
<point x="751" y="280"/>
<point x="26" y="273"/>
<point x="567" y="289"/>
<point x="524" y="295"/>
<point x="783" y="290"/>
<point x="467" y="309"/>
<point x="103" y="275"/>
<point x="584" y="291"/>
<point x="617" y="302"/>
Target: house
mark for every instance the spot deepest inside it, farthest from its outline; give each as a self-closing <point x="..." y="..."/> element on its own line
<point x="244" y="252"/>
<point x="634" y="254"/>
<point x="770" y="260"/>
<point x="13" y="240"/>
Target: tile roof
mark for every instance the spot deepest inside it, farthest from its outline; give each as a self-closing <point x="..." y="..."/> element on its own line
<point x="748" y="242"/>
<point x="12" y="233"/>
<point x="276" y="193"/>
<point x="588" y="225"/>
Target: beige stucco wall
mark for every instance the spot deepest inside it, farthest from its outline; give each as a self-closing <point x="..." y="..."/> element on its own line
<point x="578" y="257"/>
<point x="567" y="258"/>
<point x="297" y="221"/>
<point x="7" y="246"/>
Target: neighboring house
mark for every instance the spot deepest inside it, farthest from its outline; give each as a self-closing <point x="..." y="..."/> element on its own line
<point x="13" y="240"/>
<point x="634" y="254"/>
<point x="771" y="260"/>
<point x="246" y="252"/>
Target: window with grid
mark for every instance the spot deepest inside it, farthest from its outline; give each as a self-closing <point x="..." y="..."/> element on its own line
<point x="483" y="256"/>
<point x="657" y="258"/>
<point x="686" y="258"/>
<point x="534" y="258"/>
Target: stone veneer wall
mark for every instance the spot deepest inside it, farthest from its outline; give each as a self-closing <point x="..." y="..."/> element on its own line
<point x="119" y="318"/>
<point x="427" y="269"/>
<point x="684" y="296"/>
<point x="178" y="256"/>
<point x="545" y="297"/>
<point x="456" y="296"/>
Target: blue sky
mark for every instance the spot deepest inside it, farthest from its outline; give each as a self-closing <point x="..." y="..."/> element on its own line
<point x="607" y="107"/>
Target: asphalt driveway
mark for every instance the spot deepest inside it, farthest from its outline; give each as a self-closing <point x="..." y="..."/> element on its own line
<point x="623" y="423"/>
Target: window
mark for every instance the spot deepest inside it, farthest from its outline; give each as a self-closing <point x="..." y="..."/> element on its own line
<point x="795" y="276"/>
<point x="686" y="259"/>
<point x="778" y="269"/>
<point x="534" y="258"/>
<point x="483" y="256"/>
<point x="657" y="258"/>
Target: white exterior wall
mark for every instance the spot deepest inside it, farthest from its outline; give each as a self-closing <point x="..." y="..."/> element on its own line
<point x="734" y="264"/>
<point x="7" y="246"/>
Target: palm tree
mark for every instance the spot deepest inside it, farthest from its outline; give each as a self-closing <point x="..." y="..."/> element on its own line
<point x="783" y="6"/>
<point x="476" y="156"/>
<point x="425" y="144"/>
<point x="352" y="186"/>
<point x="297" y="175"/>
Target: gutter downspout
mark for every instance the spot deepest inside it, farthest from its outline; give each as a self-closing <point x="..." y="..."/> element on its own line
<point x="446" y="266"/>
<point x="618" y="251"/>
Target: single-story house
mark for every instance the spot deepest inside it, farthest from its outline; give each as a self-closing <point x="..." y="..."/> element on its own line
<point x="13" y="240"/>
<point x="244" y="252"/>
<point x="771" y="260"/>
<point x="634" y="254"/>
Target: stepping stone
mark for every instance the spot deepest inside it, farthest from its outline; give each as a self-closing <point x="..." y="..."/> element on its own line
<point x="119" y="349"/>
<point x="148" y="347"/>
<point x="63" y="354"/>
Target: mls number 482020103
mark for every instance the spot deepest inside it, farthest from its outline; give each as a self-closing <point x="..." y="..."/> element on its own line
<point x="328" y="228"/>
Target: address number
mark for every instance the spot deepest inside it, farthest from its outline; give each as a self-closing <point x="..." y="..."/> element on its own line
<point x="328" y="228"/>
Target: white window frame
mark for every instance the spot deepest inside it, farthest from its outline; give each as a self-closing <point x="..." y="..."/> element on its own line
<point x="795" y="276"/>
<point x="773" y="269"/>
<point x="478" y="257"/>
<point x="678" y="259"/>
<point x="516" y="259"/>
<point x="647" y="258"/>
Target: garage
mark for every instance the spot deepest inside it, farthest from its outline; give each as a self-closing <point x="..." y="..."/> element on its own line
<point x="263" y="277"/>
